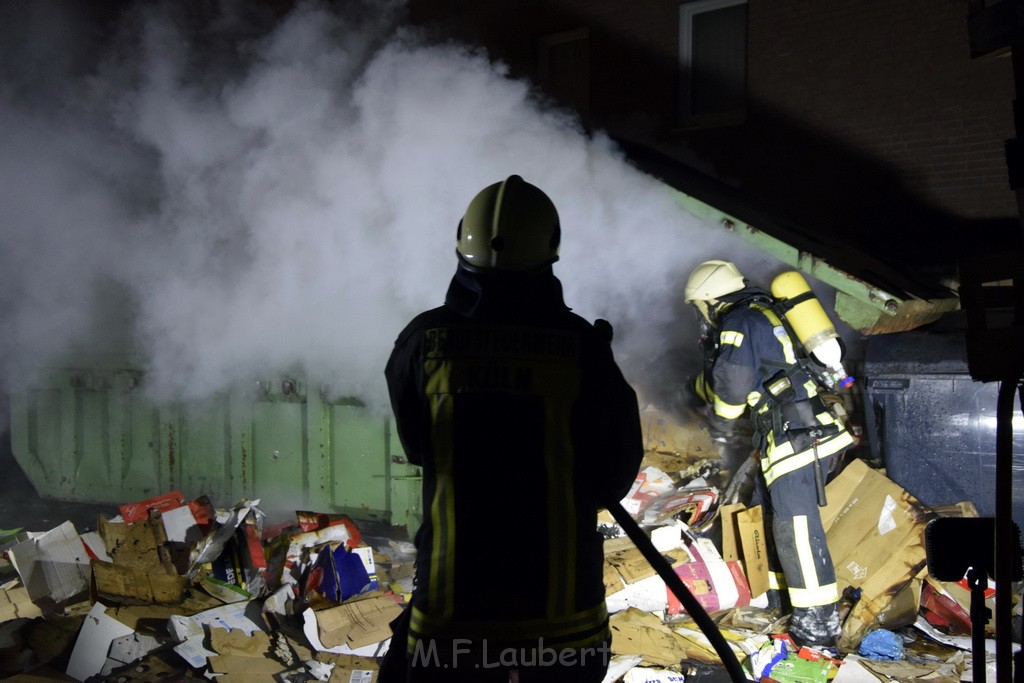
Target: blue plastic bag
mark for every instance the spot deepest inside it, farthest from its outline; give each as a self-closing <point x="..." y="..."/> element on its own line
<point x="881" y="644"/>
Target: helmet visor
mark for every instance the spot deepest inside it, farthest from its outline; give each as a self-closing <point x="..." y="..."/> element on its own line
<point x="705" y="311"/>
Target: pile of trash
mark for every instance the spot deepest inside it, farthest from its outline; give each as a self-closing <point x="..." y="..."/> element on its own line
<point x="898" y="622"/>
<point x="177" y="589"/>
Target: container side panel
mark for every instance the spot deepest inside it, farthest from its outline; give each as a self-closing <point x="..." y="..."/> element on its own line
<point x="36" y="438"/>
<point x="205" y="452"/>
<point x="91" y="477"/>
<point x="279" y="454"/>
<point x="141" y="460"/>
<point x="406" y="485"/>
<point x="359" y="462"/>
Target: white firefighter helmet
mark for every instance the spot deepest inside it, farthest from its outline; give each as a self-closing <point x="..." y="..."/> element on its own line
<point x="712" y="280"/>
<point x="511" y="226"/>
<point x="708" y="283"/>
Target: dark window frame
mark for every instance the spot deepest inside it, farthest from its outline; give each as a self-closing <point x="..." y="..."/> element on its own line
<point x="687" y="118"/>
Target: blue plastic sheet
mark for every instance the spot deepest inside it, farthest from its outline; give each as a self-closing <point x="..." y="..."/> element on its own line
<point x="881" y="644"/>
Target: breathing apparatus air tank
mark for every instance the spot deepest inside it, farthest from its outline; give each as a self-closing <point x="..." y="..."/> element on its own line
<point x="811" y="325"/>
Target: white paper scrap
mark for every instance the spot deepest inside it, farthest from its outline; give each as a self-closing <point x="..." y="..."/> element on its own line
<point x="177" y="523"/>
<point x="646" y="675"/>
<point x="94" y="639"/>
<point x="193" y="652"/>
<point x="886" y="521"/>
<point x="619" y="665"/>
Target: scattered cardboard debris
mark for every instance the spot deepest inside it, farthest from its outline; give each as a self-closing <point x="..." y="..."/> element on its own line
<point x="175" y="587"/>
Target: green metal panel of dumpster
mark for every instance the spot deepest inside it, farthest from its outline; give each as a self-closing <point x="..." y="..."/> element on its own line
<point x="91" y="436"/>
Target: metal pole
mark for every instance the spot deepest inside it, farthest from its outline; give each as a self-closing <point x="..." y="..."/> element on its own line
<point x="1004" y="541"/>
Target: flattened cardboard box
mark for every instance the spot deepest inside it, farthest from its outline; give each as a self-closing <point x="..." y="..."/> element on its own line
<point x="635" y="632"/>
<point x="357" y="623"/>
<point x="135" y="586"/>
<point x="54" y="564"/>
<point x="628" y="566"/>
<point x="875" y="532"/>
<point x="743" y="540"/>
<point x="15" y="603"/>
<point x="140" y="571"/>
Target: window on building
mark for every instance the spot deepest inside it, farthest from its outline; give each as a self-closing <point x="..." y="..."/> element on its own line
<point x="565" y="68"/>
<point x="713" y="61"/>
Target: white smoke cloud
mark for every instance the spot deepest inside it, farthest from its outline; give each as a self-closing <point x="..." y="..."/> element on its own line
<point x="289" y="208"/>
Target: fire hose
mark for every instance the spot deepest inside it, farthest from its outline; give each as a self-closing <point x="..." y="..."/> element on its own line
<point x="686" y="598"/>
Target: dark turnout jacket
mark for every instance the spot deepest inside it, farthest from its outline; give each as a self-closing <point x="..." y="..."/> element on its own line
<point x="523" y="425"/>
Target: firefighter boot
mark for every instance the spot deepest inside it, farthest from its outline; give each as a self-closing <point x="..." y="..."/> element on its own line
<point x="816" y="626"/>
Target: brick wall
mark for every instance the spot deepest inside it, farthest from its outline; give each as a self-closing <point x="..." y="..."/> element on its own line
<point x="894" y="79"/>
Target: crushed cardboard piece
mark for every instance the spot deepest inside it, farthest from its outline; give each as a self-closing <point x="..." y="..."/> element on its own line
<point x="53" y="637"/>
<point x="128" y="649"/>
<point x="229" y="617"/>
<point x="135" y="545"/>
<point x="933" y="672"/>
<point x="717" y="585"/>
<point x="194" y="652"/>
<point x="137" y="585"/>
<point x="242" y="669"/>
<point x="358" y="623"/>
<point x="146" y="617"/>
<point x="154" y="666"/>
<point x="15" y="603"/>
<point x="53" y="564"/>
<point x="631" y="582"/>
<point x="213" y="544"/>
<point x="953" y="600"/>
<point x="650" y="483"/>
<point x="239" y="643"/>
<point x="875" y="532"/>
<point x="667" y="434"/>
<point x="95" y="547"/>
<point x="743" y="540"/>
<point x="755" y="549"/>
<point x="693" y="504"/>
<point x="961" y="642"/>
<point x="140" y="570"/>
<point x="140" y="511"/>
<point x="628" y="566"/>
<point x="635" y="632"/>
<point x="699" y="648"/>
<point x="311" y="629"/>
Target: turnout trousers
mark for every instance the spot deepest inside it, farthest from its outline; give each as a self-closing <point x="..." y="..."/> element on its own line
<point x="799" y="561"/>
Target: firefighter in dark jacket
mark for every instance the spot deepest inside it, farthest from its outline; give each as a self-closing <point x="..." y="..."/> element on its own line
<point x="523" y="424"/>
<point x="751" y="369"/>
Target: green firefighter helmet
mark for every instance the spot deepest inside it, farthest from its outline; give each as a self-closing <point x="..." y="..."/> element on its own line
<point x="510" y="226"/>
<point x="709" y="282"/>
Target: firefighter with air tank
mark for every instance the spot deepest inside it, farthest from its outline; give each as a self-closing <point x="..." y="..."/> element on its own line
<point x="771" y="356"/>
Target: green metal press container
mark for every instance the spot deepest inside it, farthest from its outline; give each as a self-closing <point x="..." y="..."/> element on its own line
<point x="90" y="435"/>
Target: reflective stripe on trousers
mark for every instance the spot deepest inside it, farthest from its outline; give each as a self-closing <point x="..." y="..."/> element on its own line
<point x="796" y="540"/>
